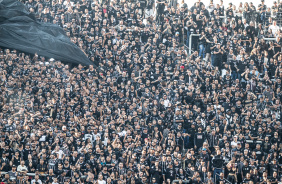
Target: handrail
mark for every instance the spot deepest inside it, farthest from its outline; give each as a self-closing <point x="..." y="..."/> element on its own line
<point x="190" y="42"/>
<point x="176" y="181"/>
<point x="33" y="174"/>
<point x="187" y="181"/>
<point x="269" y="39"/>
<point x="28" y="174"/>
<point x="191" y="35"/>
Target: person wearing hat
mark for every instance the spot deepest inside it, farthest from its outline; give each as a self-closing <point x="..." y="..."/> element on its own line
<point x="205" y="156"/>
<point x="13" y="173"/>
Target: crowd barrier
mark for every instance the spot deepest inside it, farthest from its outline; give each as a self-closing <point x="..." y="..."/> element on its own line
<point x="187" y="181"/>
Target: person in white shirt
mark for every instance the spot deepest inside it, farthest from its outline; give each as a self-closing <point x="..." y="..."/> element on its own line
<point x="211" y="7"/>
<point x="60" y="153"/>
<point x="68" y="3"/>
<point x="274" y="28"/>
<point x="100" y="179"/>
<point x="22" y="167"/>
<point x="55" y="181"/>
<point x="166" y="101"/>
<point x="36" y="180"/>
<point x="234" y="142"/>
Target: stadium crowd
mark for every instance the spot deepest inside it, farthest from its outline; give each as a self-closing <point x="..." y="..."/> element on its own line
<point x="146" y="111"/>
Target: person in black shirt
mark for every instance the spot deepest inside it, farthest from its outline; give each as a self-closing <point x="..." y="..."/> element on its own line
<point x="199" y="139"/>
<point x="160" y="9"/>
<point x="221" y="178"/>
<point x="262" y="11"/>
<point x="194" y="30"/>
<point x="274" y="178"/>
<point x="170" y="173"/>
<point x="217" y="164"/>
<point x="245" y="41"/>
<point x="218" y="52"/>
<point x="142" y="88"/>
<point x="156" y="171"/>
<point x="246" y="170"/>
<point x="247" y="179"/>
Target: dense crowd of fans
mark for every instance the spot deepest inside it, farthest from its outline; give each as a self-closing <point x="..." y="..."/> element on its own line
<point x="146" y="111"/>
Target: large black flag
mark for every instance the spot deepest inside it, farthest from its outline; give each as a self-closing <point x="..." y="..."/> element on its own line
<point x="19" y="30"/>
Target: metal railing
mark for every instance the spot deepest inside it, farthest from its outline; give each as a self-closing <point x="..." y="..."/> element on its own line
<point x="269" y="39"/>
<point x="187" y="181"/>
<point x="33" y="174"/>
<point x="28" y="174"/>
<point x="223" y="17"/>
<point x="190" y="42"/>
<point x="183" y="181"/>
